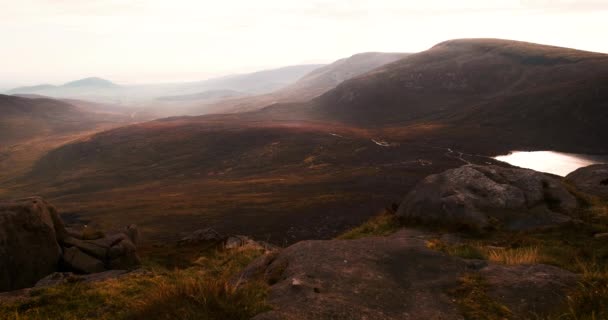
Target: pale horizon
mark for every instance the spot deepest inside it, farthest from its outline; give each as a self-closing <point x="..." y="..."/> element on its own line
<point x="136" y="42"/>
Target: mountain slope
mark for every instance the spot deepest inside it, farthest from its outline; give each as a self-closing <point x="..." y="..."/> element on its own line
<point x="440" y="81"/>
<point x="311" y="85"/>
<point x="24" y="118"/>
<point x="539" y="95"/>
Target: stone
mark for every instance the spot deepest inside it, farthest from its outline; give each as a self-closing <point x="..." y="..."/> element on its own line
<point x="58" y="278"/>
<point x="592" y="180"/>
<point x="489" y="197"/>
<point x="79" y="261"/>
<point x="123" y="255"/>
<point x="133" y="233"/>
<point x="601" y="235"/>
<point x="393" y="277"/>
<point x="97" y="249"/>
<point x="202" y="236"/>
<point x="29" y="229"/>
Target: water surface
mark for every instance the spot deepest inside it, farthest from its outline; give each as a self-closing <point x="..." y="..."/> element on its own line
<point x="550" y="161"/>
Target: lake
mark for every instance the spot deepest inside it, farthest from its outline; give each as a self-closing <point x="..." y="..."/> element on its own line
<point x="550" y="161"/>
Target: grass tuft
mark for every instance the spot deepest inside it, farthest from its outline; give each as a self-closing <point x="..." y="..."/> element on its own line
<point x="474" y="303"/>
<point x="382" y="224"/>
<point x="524" y="255"/>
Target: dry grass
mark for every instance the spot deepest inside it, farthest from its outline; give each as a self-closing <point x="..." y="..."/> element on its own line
<point x="589" y="301"/>
<point x="474" y="303"/>
<point x="202" y="290"/>
<point x="525" y="255"/>
<point x="382" y="224"/>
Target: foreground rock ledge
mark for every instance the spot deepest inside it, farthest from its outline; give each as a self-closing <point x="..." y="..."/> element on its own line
<point x="395" y="277"/>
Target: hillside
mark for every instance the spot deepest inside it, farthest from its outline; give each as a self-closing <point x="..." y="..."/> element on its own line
<point x="309" y="86"/>
<point x="517" y="90"/>
<point x="354" y="149"/>
<point x="24" y="118"/>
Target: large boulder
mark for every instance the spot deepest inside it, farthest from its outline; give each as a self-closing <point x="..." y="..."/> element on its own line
<point x="486" y="197"/>
<point x="394" y="277"/>
<point x="592" y="179"/>
<point x="29" y="250"/>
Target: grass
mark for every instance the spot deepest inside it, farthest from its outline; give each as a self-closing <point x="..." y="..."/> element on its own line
<point x="572" y="247"/>
<point x="382" y="224"/>
<point x="202" y="290"/>
<point x="474" y="303"/>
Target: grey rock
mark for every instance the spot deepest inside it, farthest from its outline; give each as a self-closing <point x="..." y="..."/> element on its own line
<point x="29" y="229"/>
<point x="97" y="249"/>
<point x="123" y="256"/>
<point x="79" y="261"/>
<point x="58" y="278"/>
<point x="601" y="235"/>
<point x="393" y="277"/>
<point x="484" y="197"/>
<point x="592" y="179"/>
<point x="202" y="236"/>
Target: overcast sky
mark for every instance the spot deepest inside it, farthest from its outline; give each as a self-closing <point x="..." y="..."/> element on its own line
<point x="141" y="41"/>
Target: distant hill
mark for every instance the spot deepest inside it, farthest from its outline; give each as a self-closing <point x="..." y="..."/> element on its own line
<point x="47" y="89"/>
<point x="91" y="82"/>
<point x="102" y="90"/>
<point x="24" y="118"/>
<point x="311" y="85"/>
<point x="211" y="95"/>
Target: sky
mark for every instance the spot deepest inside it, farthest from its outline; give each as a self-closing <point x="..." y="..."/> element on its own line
<point x="151" y="41"/>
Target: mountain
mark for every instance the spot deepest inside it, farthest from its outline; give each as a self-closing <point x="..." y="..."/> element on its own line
<point x="104" y="91"/>
<point x="91" y="82"/>
<point x="210" y="95"/>
<point x="311" y="85"/>
<point x="25" y="118"/>
<point x="47" y="89"/>
<point x="261" y="81"/>
<point x="314" y="167"/>
<point x="518" y="93"/>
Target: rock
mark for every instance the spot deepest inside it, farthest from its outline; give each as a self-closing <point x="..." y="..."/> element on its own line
<point x="203" y="236"/>
<point x="58" y="278"/>
<point x="116" y="251"/>
<point x="96" y="249"/>
<point x="592" y="179"/>
<point x="528" y="289"/>
<point x="133" y="233"/>
<point x="233" y="242"/>
<point x="29" y="229"/>
<point x="82" y="262"/>
<point x="601" y="235"/>
<point x="123" y="256"/>
<point x="394" y="277"/>
<point x="485" y="197"/>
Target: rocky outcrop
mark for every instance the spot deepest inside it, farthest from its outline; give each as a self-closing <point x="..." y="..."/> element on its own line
<point x="592" y="179"/>
<point x="111" y="252"/>
<point x="211" y="238"/>
<point x="29" y="248"/>
<point x="485" y="197"/>
<point x="395" y="277"/>
<point x="35" y="243"/>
